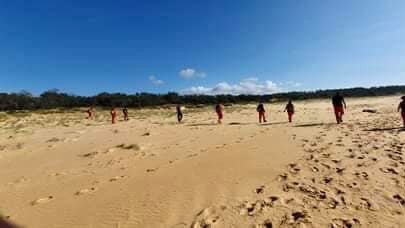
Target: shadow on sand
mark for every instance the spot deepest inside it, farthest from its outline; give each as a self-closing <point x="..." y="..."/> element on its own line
<point x="274" y="123"/>
<point x="230" y="124"/>
<point x="202" y="124"/>
<point x="239" y="123"/>
<point x="387" y="129"/>
<point x="310" y="125"/>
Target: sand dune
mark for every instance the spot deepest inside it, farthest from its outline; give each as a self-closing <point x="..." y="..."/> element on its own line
<point x="61" y="170"/>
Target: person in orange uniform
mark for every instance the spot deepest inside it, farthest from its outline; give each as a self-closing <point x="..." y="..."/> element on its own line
<point x="90" y="113"/>
<point x="289" y="108"/>
<point x="219" y="109"/>
<point x="179" y="113"/>
<point x="262" y="113"/>
<point x="113" y="115"/>
<point x="339" y="105"/>
<point x="125" y="112"/>
<point x="401" y="108"/>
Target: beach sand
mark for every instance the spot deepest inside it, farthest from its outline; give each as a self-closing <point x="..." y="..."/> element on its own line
<point x="58" y="169"/>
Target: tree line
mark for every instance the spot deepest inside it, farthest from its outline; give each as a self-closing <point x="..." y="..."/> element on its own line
<point x="55" y="99"/>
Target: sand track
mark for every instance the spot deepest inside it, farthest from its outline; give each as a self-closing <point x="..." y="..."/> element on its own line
<point x="64" y="171"/>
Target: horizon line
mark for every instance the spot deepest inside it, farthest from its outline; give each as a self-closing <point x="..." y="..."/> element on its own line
<point x="55" y="90"/>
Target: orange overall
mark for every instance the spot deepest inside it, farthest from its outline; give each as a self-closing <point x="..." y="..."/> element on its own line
<point x="220" y="112"/>
<point x="90" y="114"/>
<point x="339" y="112"/>
<point x="290" y="111"/>
<point x="262" y="113"/>
<point x="125" y="111"/>
<point x="113" y="116"/>
<point x="403" y="117"/>
<point x="262" y="117"/>
<point x="290" y="115"/>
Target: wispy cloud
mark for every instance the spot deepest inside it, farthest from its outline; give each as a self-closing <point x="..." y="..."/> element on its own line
<point x="246" y="86"/>
<point x="190" y="73"/>
<point x="156" y="81"/>
<point x="291" y="84"/>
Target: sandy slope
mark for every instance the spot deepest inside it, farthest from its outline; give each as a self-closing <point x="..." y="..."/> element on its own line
<point x="59" y="170"/>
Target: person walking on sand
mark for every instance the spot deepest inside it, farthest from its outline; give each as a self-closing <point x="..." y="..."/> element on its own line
<point x="90" y="113"/>
<point x="262" y="113"/>
<point x="125" y="112"/>
<point x="219" y="109"/>
<point x="289" y="108"/>
<point x="339" y="106"/>
<point x="401" y="108"/>
<point x="113" y="115"/>
<point x="179" y="113"/>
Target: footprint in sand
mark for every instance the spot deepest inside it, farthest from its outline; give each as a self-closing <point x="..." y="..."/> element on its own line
<point x="395" y="157"/>
<point x="389" y="171"/>
<point x="42" y="200"/>
<point x="340" y="170"/>
<point x="152" y="170"/>
<point x="337" y="223"/>
<point x="260" y="190"/>
<point x="86" y="191"/>
<point x="53" y="140"/>
<point x="399" y="199"/>
<point x="368" y="204"/>
<point x="333" y="203"/>
<point x="117" y="178"/>
<point x="192" y="155"/>
<point x="255" y="208"/>
<point x="135" y="147"/>
<point x="296" y="219"/>
<point x="90" y="155"/>
<point x="327" y="180"/>
<point x="336" y="161"/>
<point x="362" y="175"/>
<point x="283" y="177"/>
<point x="314" y="169"/>
<point x="294" y="168"/>
<point x="266" y="224"/>
<point x="352" y="156"/>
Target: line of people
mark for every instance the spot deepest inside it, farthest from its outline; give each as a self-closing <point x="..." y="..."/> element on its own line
<point x="289" y="108"/>
<point x="91" y="114"/>
<point x="338" y="102"/>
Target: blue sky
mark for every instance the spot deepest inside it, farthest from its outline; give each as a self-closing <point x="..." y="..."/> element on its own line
<point x="212" y="46"/>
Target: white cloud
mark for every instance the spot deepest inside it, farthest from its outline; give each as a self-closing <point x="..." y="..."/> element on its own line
<point x="247" y="86"/>
<point x="293" y="84"/>
<point x="155" y="81"/>
<point x="190" y="73"/>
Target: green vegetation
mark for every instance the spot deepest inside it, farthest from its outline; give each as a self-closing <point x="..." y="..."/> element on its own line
<point x="53" y="101"/>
